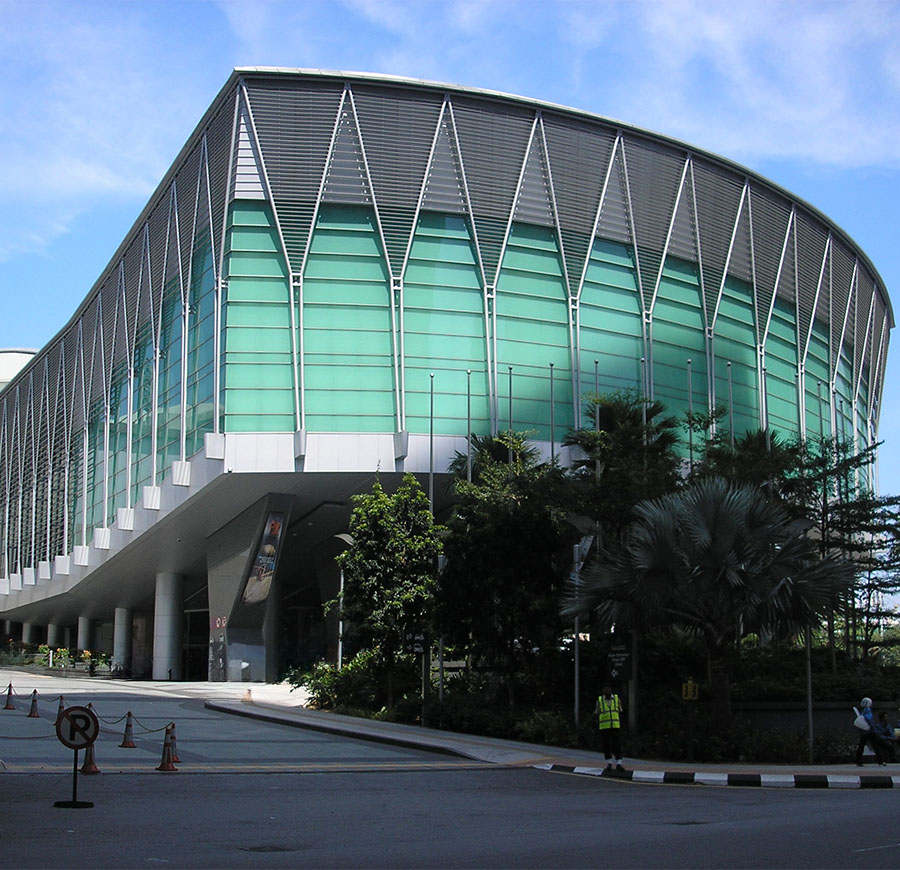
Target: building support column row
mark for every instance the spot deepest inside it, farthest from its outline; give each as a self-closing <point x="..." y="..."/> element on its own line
<point x="167" y="626"/>
<point x="167" y="631"/>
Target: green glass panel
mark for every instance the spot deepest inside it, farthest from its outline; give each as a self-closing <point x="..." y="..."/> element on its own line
<point x="781" y="369"/>
<point x="260" y="423"/>
<point x="259" y="401"/>
<point x="734" y="342"/>
<point x="345" y="242"/>
<point x="169" y="384"/>
<point x="443" y="226"/>
<point x="532" y="331"/>
<point x="449" y="275"/>
<point x="818" y="415"/>
<point x="255" y="314"/>
<point x="679" y="336"/>
<point x="257" y="374"/>
<point x="254" y="239"/>
<point x="257" y="289"/>
<point x="444" y="330"/>
<point x="347" y="325"/>
<point x="251" y="377"/>
<point x="264" y="265"/>
<point x="246" y="339"/>
<point x="610" y="321"/>
<point x="246" y="213"/>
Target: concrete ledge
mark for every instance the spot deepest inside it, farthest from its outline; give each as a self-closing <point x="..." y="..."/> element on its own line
<point x="359" y="732"/>
<point x="743" y="780"/>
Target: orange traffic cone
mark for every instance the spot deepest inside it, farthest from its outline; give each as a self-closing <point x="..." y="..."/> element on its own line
<point x="61" y="708"/>
<point x="175" y="758"/>
<point x="128" y="737"/>
<point x="89" y="767"/>
<point x="166" y="763"/>
<point x="33" y="712"/>
<point x="9" y="701"/>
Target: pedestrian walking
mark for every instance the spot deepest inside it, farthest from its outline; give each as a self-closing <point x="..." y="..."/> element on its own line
<point x="865" y="723"/>
<point x="609" y="710"/>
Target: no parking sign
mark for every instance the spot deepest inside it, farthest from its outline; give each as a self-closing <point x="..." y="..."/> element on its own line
<point x="77" y="728"/>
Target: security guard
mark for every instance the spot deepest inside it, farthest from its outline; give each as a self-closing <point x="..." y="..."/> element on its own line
<point x="609" y="709"/>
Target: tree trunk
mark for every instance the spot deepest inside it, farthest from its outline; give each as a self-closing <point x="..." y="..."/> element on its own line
<point x="389" y="667"/>
<point x="720" y="687"/>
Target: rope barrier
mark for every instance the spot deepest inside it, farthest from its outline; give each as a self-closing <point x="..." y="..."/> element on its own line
<point x="110" y="721"/>
<point x="57" y="698"/>
<point x="149" y="730"/>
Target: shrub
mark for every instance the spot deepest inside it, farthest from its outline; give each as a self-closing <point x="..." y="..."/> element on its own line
<point x="359" y="684"/>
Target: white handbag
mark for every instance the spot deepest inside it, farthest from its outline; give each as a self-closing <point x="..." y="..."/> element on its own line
<point x="860" y="721"/>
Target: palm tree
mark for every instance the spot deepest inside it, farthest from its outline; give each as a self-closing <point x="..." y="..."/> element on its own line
<point x="717" y="560"/>
<point x="490" y="450"/>
<point x="628" y="454"/>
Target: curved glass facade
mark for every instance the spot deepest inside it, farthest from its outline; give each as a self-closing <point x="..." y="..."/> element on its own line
<point x="326" y="244"/>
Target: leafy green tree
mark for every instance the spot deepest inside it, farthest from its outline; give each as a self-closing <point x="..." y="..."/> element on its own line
<point x="508" y="550"/>
<point x="717" y="560"/>
<point x="764" y="459"/>
<point x="489" y="451"/>
<point x="629" y="454"/>
<point x="389" y="568"/>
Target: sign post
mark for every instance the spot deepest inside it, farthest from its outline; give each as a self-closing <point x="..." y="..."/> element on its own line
<point x="77" y="728"/>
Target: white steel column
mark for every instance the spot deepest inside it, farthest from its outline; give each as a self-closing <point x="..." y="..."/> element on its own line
<point x="122" y="638"/>
<point x="27" y="632"/>
<point x="84" y="633"/>
<point x="167" y="619"/>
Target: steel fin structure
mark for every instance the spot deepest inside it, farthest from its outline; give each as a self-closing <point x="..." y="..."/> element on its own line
<point x="342" y="275"/>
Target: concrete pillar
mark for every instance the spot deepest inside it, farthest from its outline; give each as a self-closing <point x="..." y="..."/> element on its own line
<point x="84" y="633"/>
<point x="67" y="637"/>
<point x="122" y="638"/>
<point x="53" y="636"/>
<point x="7" y="628"/>
<point x="28" y="632"/>
<point x="168" y="613"/>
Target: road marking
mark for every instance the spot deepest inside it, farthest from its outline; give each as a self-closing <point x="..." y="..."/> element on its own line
<point x="251" y="767"/>
<point x="878" y="848"/>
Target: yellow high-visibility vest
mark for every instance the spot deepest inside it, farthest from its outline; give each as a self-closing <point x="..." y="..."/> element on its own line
<point x="609" y="712"/>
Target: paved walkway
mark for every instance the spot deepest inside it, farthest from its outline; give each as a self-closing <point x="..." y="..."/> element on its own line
<point x="283" y="705"/>
<point x="278" y="704"/>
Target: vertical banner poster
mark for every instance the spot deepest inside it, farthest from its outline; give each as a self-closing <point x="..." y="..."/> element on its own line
<point x="259" y="582"/>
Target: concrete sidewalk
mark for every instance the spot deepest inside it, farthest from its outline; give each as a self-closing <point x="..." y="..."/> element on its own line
<point x="281" y="704"/>
<point x="267" y="704"/>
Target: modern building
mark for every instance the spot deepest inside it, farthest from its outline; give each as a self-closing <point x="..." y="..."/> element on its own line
<point x="340" y="276"/>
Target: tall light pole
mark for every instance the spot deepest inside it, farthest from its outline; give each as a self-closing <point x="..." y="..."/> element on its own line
<point x="431" y="446"/>
<point x="510" y="417"/>
<point x="730" y="407"/>
<point x="348" y="540"/>
<point x="469" y="425"/>
<point x="552" y="425"/>
<point x="690" y="416"/>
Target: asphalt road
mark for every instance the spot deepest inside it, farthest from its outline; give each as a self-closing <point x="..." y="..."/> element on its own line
<point x="436" y="818"/>
<point x="326" y="801"/>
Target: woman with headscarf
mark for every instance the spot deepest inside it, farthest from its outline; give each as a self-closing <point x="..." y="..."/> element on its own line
<point x="868" y="736"/>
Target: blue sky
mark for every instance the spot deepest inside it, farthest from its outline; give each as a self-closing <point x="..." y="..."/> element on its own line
<point x="97" y="98"/>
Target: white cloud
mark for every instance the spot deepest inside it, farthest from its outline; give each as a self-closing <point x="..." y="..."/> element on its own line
<point x="802" y="80"/>
<point x="99" y="95"/>
<point x="94" y="109"/>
